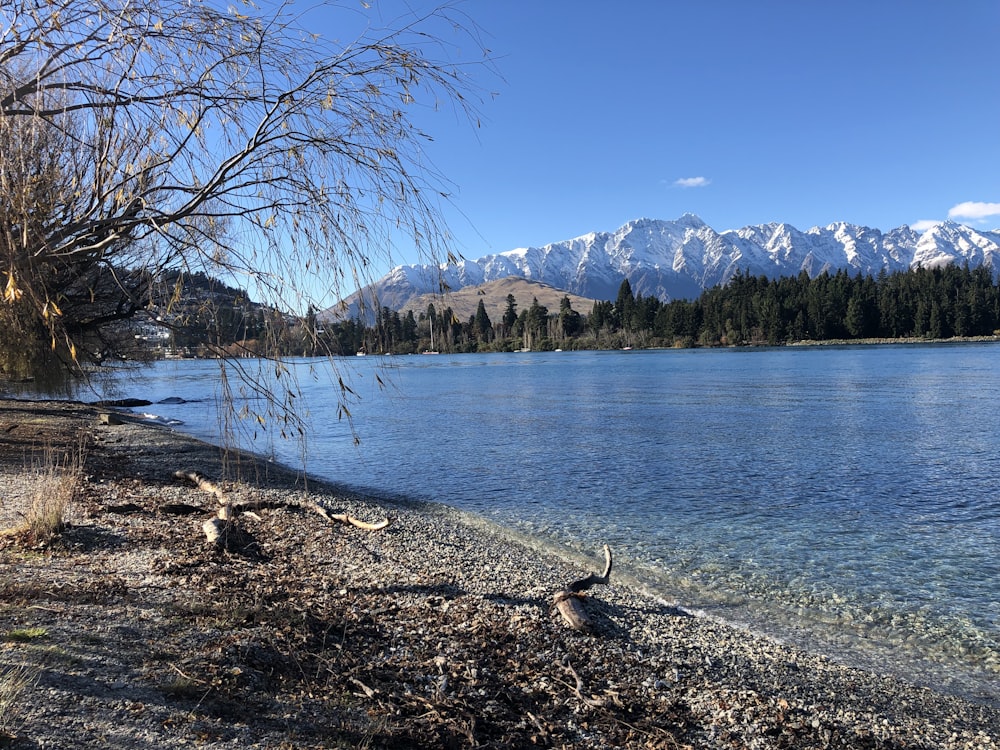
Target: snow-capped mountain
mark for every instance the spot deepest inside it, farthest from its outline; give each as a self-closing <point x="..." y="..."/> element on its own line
<point x="681" y="258"/>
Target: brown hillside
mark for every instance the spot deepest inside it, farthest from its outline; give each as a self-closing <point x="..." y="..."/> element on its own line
<point x="464" y="302"/>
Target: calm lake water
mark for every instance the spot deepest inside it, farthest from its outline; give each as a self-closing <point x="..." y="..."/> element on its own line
<point x="841" y="498"/>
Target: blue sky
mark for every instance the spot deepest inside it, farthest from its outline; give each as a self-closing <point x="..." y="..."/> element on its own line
<point x="881" y="112"/>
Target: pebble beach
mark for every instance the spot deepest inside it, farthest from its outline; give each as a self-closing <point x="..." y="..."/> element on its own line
<point x="436" y="631"/>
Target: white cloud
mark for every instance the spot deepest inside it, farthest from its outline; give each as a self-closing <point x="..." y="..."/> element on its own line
<point x="924" y="224"/>
<point x="692" y="182"/>
<point x="974" y="210"/>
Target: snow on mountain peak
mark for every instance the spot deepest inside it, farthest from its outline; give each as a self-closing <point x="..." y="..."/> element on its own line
<point x="681" y="258"/>
<point x="691" y="220"/>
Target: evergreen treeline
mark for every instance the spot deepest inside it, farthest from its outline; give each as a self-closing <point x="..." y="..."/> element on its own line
<point x="750" y="310"/>
<point x="923" y="303"/>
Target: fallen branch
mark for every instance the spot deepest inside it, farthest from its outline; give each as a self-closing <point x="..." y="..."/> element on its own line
<point x="350" y="520"/>
<point x="569" y="601"/>
<point x="203" y="483"/>
<point x="578" y="689"/>
<point x="369" y="692"/>
<point x="216" y="529"/>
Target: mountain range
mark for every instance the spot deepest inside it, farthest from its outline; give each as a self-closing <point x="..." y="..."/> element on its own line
<point x="681" y="258"/>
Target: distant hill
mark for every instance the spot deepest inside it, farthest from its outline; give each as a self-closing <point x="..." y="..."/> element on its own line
<point x="464" y="302"/>
<point x="681" y="258"/>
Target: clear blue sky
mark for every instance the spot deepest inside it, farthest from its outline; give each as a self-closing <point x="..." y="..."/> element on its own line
<point x="875" y="112"/>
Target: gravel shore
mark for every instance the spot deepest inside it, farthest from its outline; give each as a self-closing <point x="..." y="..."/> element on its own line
<point x="437" y="631"/>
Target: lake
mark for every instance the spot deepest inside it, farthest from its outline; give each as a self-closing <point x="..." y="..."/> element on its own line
<point x="840" y="498"/>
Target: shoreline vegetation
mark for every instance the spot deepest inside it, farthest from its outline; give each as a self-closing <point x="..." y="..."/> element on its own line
<point x="798" y="344"/>
<point x="921" y="305"/>
<point x="125" y="628"/>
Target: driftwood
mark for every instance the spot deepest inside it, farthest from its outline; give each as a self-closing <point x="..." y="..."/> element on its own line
<point x="350" y="520"/>
<point x="217" y="529"/>
<point x="569" y="601"/>
<point x="203" y="483"/>
<point x="593" y="702"/>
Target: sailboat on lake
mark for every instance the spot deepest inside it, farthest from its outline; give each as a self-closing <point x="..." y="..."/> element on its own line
<point x="432" y="350"/>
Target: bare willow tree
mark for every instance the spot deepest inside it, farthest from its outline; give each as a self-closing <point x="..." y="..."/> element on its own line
<point x="143" y="135"/>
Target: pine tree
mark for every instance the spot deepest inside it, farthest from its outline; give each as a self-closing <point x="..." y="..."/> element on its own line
<point x="625" y="306"/>
<point x="481" y="325"/>
<point x="510" y="315"/>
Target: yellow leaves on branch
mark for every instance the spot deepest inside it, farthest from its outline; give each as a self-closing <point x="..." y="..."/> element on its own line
<point x="72" y="347"/>
<point x="50" y="310"/>
<point x="11" y="292"/>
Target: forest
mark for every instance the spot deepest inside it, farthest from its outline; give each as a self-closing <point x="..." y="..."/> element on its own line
<point x="923" y="303"/>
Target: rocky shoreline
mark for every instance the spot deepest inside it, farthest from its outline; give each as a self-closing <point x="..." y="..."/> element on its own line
<point x="437" y="631"/>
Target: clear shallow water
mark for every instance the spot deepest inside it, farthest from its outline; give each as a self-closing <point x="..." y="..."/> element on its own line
<point x="845" y="499"/>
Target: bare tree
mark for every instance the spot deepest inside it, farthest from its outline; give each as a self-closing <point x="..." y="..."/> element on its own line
<point x="140" y="135"/>
<point x="56" y="303"/>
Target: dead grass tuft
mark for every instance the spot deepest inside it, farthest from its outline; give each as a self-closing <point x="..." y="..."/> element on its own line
<point x="58" y="479"/>
<point x="15" y="681"/>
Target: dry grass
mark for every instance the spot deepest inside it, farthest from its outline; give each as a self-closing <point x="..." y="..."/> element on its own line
<point x="58" y="477"/>
<point x="15" y="681"/>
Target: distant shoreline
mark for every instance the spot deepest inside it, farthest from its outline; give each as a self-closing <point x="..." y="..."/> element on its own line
<point x="803" y="343"/>
<point x="907" y="341"/>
